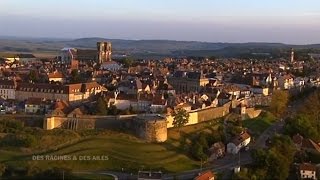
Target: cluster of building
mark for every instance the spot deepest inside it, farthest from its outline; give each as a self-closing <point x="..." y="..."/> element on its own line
<point x="303" y="145"/>
<point x="78" y="75"/>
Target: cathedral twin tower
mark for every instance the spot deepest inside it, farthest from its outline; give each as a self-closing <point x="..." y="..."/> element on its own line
<point x="105" y="51"/>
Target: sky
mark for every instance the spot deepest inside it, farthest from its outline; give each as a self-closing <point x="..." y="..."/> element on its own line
<point x="285" y="21"/>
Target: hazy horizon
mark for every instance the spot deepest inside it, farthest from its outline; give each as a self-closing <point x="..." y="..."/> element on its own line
<point x="288" y="21"/>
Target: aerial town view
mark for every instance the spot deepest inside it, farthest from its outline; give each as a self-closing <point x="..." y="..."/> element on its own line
<point x="160" y="90"/>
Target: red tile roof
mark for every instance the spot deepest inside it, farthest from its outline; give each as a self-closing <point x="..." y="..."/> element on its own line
<point x="34" y="101"/>
<point x="205" y="176"/>
<point x="55" y="75"/>
<point x="307" y="167"/>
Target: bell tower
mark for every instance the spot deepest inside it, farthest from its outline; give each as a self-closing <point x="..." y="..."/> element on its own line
<point x="292" y="56"/>
<point x="104" y="50"/>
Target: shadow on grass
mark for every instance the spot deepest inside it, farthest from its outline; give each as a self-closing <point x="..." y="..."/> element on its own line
<point x="29" y="156"/>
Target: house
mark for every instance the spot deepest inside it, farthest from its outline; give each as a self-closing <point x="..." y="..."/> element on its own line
<point x="131" y="86"/>
<point x="223" y="98"/>
<point x="56" y="77"/>
<point x="310" y="146"/>
<point x="286" y="81"/>
<point x="305" y="144"/>
<point x="241" y="109"/>
<point x="158" y="104"/>
<point x="238" y="142"/>
<point x="232" y="90"/>
<point x="166" y="88"/>
<point x="23" y="58"/>
<point x="71" y="93"/>
<point x="299" y="82"/>
<point x="260" y="90"/>
<point x="110" y="66"/>
<point x="259" y="79"/>
<point x="307" y="171"/>
<point x="26" y="58"/>
<point x="217" y="150"/>
<point x="207" y="175"/>
<point x="60" y="108"/>
<point x="8" y="89"/>
<point x="34" y="105"/>
<point x="185" y="106"/>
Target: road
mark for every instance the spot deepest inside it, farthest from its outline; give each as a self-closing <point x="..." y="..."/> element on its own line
<point x="227" y="163"/>
<point x="268" y="133"/>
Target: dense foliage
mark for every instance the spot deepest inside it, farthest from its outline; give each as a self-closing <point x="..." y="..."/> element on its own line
<point x="279" y="102"/>
<point x="307" y="120"/>
<point x="180" y="118"/>
<point x="273" y="163"/>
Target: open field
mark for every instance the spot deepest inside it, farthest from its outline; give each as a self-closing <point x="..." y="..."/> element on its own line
<point x="208" y="126"/>
<point x="122" y="151"/>
<point x="260" y="123"/>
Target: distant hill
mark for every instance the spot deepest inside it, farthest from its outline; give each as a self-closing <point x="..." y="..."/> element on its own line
<point x="145" y="48"/>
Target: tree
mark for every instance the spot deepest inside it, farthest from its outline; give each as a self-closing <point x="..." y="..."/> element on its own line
<point x="311" y="109"/>
<point x="302" y="125"/>
<point x="2" y="169"/>
<point x="259" y="156"/>
<point x="279" y="102"/>
<point x="197" y="152"/>
<point x="33" y="76"/>
<point x="278" y="165"/>
<point x="180" y="118"/>
<point x="127" y="62"/>
<point x="274" y="163"/>
<point x="203" y="141"/>
<point x="75" y="76"/>
<point x="101" y="107"/>
<point x="307" y="120"/>
<point x="113" y="110"/>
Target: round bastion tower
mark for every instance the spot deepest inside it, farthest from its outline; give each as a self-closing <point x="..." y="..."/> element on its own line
<point x="150" y="128"/>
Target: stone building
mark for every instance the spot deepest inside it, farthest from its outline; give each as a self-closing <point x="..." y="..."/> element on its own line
<point x="183" y="81"/>
<point x="99" y="55"/>
<point x="8" y="89"/>
<point x="71" y="93"/>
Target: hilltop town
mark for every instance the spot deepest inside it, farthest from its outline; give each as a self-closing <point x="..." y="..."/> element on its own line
<point x="211" y="109"/>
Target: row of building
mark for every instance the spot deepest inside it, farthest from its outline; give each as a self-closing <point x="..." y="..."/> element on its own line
<point x="12" y="90"/>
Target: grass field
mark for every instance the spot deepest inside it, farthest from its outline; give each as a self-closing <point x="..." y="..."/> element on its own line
<point x="122" y="151"/>
<point x="259" y="124"/>
<point x="208" y="126"/>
